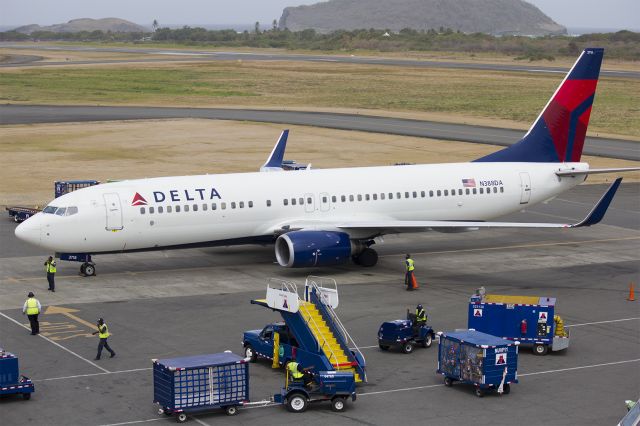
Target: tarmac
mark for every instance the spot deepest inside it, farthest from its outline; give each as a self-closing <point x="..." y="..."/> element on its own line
<point x="187" y="302"/>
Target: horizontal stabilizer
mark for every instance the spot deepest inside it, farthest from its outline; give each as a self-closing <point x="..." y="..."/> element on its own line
<point x="595" y="171"/>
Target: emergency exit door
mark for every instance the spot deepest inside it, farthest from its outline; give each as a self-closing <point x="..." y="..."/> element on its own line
<point x="114" y="211"/>
<point x="525" y="188"/>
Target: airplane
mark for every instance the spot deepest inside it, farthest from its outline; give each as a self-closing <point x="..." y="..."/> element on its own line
<point x="324" y="217"/>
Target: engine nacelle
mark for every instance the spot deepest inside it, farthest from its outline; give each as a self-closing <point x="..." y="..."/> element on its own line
<point x="304" y="249"/>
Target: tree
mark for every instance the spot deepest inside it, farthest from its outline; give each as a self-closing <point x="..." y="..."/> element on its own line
<point x="274" y="25"/>
<point x="257" y="27"/>
<point x="155" y="25"/>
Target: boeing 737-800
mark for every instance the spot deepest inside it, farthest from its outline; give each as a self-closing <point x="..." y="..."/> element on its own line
<point x="330" y="216"/>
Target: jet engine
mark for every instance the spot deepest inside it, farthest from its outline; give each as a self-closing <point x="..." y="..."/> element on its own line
<point x="303" y="249"/>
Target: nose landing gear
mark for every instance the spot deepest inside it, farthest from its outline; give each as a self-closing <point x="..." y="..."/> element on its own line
<point x="88" y="269"/>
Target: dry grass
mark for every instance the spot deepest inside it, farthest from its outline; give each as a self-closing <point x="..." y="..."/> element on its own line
<point x="33" y="156"/>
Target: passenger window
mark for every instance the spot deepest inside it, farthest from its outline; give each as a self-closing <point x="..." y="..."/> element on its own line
<point x="195" y="207"/>
<point x="495" y="189"/>
<point x="359" y="197"/>
<point x="213" y="206"/>
<point x="72" y="211"/>
<point x="430" y="193"/>
<point x="250" y="204"/>
<point x="150" y="210"/>
<point x="399" y="195"/>
<point x="391" y="195"/>
<point x="205" y="207"/>
<point x="415" y="194"/>
<point x="343" y="198"/>
<point x="301" y="201"/>
<point x="186" y="208"/>
<point x="324" y="199"/>
<point x="475" y="191"/>
<point x="467" y="191"/>
<point x="502" y="189"/>
<point x="334" y="198"/>
<point x="241" y="204"/>
<point x="406" y="195"/>
<point x="309" y="200"/>
<point x="460" y="191"/>
<point x="482" y="190"/>
<point x="351" y="198"/>
<point x="142" y="210"/>
<point x="160" y="209"/>
<point x="446" y="192"/>
<point x="268" y="203"/>
<point x="453" y="192"/>
<point x="233" y="204"/>
<point x="366" y="197"/>
<point x="382" y="195"/>
<point x="422" y="194"/>
<point x="285" y="202"/>
<point x="168" y="209"/>
<point x="177" y="209"/>
<point x="438" y="193"/>
<point x="223" y="206"/>
<point x="293" y="201"/>
<point x="375" y="197"/>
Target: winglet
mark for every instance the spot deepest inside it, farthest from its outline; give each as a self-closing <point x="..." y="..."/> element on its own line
<point x="274" y="162"/>
<point x="597" y="213"/>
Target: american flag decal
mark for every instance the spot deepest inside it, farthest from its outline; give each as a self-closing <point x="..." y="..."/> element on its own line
<point x="469" y="183"/>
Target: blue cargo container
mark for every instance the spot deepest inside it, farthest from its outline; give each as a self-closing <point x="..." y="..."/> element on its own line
<point x="527" y="319"/>
<point x="485" y="361"/>
<point x="11" y="382"/>
<point x="199" y="383"/>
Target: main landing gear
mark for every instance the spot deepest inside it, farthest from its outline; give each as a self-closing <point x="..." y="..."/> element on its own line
<point x="367" y="258"/>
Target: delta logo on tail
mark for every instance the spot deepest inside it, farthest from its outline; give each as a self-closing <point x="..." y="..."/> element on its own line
<point x="138" y="200"/>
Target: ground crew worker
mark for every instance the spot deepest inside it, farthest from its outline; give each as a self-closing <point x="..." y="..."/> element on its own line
<point x="103" y="334"/>
<point x="421" y="315"/>
<point x="408" y="277"/>
<point x="293" y="369"/>
<point x="32" y="309"/>
<point x="50" y="267"/>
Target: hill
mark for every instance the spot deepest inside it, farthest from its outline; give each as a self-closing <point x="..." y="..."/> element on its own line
<point x="499" y="17"/>
<point x="114" y="25"/>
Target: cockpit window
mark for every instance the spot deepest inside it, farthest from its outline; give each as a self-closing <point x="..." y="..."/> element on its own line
<point x="72" y="210"/>
<point x="61" y="211"/>
<point x="50" y="209"/>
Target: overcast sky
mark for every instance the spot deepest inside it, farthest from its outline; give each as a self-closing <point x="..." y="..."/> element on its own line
<point x="571" y="13"/>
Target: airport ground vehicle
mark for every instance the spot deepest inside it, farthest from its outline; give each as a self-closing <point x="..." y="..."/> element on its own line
<point x="528" y="319"/>
<point x="20" y="214"/>
<point x="484" y="361"/>
<point x="263" y="343"/>
<point x="11" y="382"/>
<point x="403" y="334"/>
<point x="334" y="386"/>
<point x="322" y="340"/>
<point x="194" y="384"/>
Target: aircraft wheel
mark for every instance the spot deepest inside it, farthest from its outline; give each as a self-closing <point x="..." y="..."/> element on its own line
<point x="88" y="269"/>
<point x="368" y="258"/>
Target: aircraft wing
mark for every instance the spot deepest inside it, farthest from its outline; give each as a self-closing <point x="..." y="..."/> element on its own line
<point x="394" y="227"/>
<point x="374" y="228"/>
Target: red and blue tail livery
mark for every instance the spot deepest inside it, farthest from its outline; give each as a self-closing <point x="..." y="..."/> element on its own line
<point x="557" y="135"/>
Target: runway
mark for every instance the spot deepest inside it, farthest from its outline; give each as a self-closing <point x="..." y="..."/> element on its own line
<point x="30" y="114"/>
<point x="180" y="55"/>
<point x="197" y="301"/>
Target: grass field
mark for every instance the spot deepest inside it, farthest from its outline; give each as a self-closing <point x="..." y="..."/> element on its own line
<point x="517" y="97"/>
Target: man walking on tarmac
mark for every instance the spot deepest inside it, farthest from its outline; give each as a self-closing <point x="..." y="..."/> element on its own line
<point x="32" y="309"/>
<point x="409" y="278"/>
<point x="103" y="334"/>
<point x="50" y="267"/>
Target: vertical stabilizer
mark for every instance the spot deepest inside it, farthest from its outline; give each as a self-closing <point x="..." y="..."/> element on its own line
<point x="558" y="133"/>
<point x="274" y="162"/>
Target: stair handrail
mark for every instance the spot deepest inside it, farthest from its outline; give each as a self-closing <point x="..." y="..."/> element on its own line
<point x="319" y="333"/>
<point x="311" y="279"/>
<point x="284" y="285"/>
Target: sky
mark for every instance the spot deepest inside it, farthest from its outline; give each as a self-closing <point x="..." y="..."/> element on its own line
<point x="610" y="14"/>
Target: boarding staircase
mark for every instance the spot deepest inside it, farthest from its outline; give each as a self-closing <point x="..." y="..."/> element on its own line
<point x="315" y="324"/>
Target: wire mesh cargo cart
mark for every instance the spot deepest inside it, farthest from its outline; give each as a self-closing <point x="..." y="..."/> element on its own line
<point x="11" y="382"/>
<point x="472" y="357"/>
<point x="194" y="384"/>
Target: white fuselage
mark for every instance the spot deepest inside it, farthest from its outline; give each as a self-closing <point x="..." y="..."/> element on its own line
<point x="231" y="208"/>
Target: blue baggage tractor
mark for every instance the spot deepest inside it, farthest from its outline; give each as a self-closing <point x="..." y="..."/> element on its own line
<point x="11" y="382"/>
<point x="193" y="384"/>
<point x="485" y="361"/>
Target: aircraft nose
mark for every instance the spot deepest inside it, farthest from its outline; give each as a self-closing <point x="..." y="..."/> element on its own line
<point x="29" y="231"/>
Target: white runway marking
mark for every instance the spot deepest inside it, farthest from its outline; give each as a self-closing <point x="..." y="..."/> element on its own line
<point x="57" y="344"/>
<point x="601" y="322"/>
<point x="580" y="368"/>
<point x="93" y="374"/>
<point x="134" y="422"/>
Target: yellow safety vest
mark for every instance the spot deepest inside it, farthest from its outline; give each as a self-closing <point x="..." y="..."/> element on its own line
<point x="293" y="369"/>
<point x="103" y="331"/>
<point x="410" y="266"/>
<point x="421" y="315"/>
<point x="32" y="306"/>
<point x="51" y="267"/>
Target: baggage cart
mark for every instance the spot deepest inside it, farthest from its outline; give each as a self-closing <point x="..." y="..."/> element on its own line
<point x="487" y="362"/>
<point x="11" y="382"/>
<point x="20" y="214"/>
<point x="530" y="320"/>
<point x="193" y="384"/>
